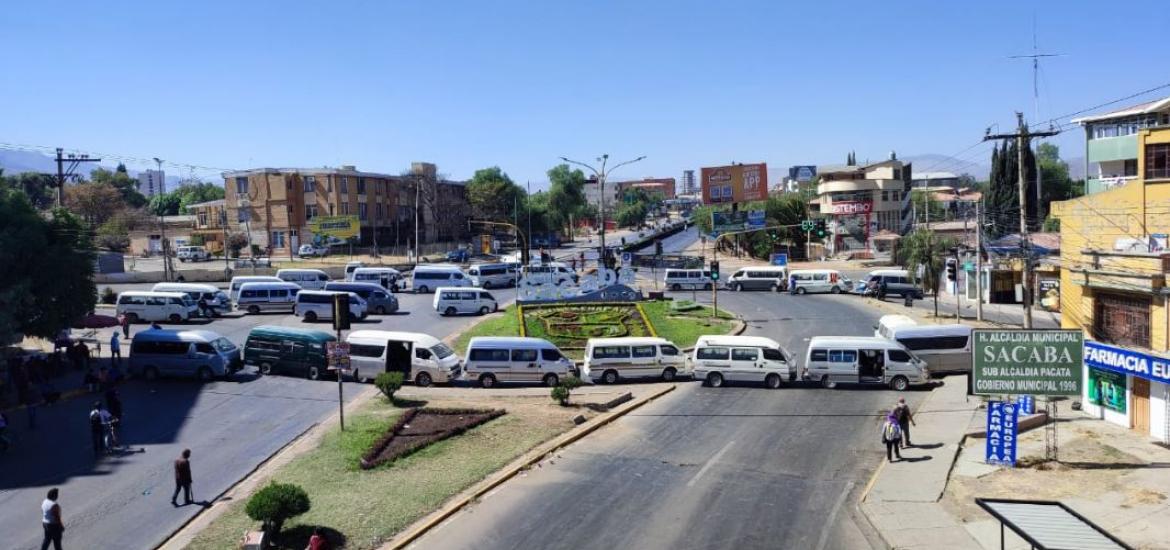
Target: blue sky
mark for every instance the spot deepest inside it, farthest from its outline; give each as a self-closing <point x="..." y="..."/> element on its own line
<point x="230" y="84"/>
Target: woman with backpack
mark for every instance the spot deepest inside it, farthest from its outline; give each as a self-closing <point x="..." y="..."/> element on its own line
<point x="892" y="437"/>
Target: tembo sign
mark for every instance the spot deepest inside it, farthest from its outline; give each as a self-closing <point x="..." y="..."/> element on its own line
<point x="1035" y="362"/>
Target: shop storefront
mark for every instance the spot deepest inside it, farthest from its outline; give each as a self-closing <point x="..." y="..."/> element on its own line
<point x="1129" y="388"/>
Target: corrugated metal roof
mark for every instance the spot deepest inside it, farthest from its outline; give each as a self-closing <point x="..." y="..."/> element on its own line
<point x="1050" y="525"/>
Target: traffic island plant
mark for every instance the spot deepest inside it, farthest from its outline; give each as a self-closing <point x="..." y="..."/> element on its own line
<point x="389" y="383"/>
<point x="275" y="504"/>
<point x="565" y="388"/>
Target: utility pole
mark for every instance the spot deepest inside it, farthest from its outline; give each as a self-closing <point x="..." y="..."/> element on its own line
<point x="162" y="225"/>
<point x="979" y="260"/>
<point x="1023" y="137"/>
<point x="63" y="174"/>
<point x="524" y="256"/>
<point x="416" y="245"/>
<point x="601" y="176"/>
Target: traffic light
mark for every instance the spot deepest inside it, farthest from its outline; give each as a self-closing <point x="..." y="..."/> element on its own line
<point x="714" y="270"/>
<point x="952" y="266"/>
<point x="821" y="228"/>
<point x="341" y="311"/>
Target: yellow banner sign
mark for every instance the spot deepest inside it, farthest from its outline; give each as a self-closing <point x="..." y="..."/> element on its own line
<point x="342" y="227"/>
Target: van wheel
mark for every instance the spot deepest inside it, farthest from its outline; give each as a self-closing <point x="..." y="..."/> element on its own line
<point x="610" y="377"/>
<point x="421" y="289"/>
<point x="204" y="374"/>
<point x="834" y="290"/>
<point x="775" y="287"/>
<point x="899" y="383"/>
<point x="254" y="310"/>
<point x="487" y="381"/>
<point x="175" y="318"/>
<point x="827" y="382"/>
<point x="150" y="373"/>
<point x="449" y="311"/>
<point x="714" y="380"/>
<point x="772" y="381"/>
<point x="676" y="287"/>
<point x="265" y="368"/>
<point x="484" y="310"/>
<point x="707" y="286"/>
<point x="487" y="285"/>
<point x="800" y="290"/>
<point x="380" y="310"/>
<point x="310" y="316"/>
<point x="314" y="373"/>
<point x="422" y="380"/>
<point x="668" y="375"/>
<point x="550" y="380"/>
<point x="738" y="287"/>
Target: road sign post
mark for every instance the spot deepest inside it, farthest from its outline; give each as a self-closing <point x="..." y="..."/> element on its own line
<point x="1034" y="362"/>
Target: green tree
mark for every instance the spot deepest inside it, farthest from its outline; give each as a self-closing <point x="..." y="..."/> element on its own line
<point x="926" y="209"/>
<point x="165" y="204"/>
<point x="922" y="247"/>
<point x="47" y="279"/>
<point x="119" y="179"/>
<point x="39" y="188"/>
<point x="566" y="194"/>
<point x="114" y="234"/>
<point x="1056" y="185"/>
<point x="196" y="192"/>
<point x="536" y="214"/>
<point x="276" y="503"/>
<point x="94" y="202"/>
<point x="631" y="214"/>
<point x="493" y="195"/>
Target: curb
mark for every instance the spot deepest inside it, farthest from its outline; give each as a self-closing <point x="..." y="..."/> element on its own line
<point x="432" y="520"/>
<point x="65" y="396"/>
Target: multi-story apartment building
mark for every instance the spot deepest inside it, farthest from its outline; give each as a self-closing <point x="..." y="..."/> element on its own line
<point x="1111" y="143"/>
<point x="1115" y="266"/>
<point x="275" y="205"/>
<point x="614" y="189"/>
<point x="152" y="182"/>
<point x="210" y="223"/>
<point x="862" y="200"/>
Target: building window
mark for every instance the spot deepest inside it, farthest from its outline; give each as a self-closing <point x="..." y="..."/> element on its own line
<point x="278" y="239"/>
<point x="897" y="173"/>
<point x="345" y="209"/>
<point x="361" y="186"/>
<point x="1158" y="161"/>
<point x="897" y="196"/>
<point x="202" y="218"/>
<point x="885" y="196"/>
<point x="1122" y="319"/>
<point x="329" y="184"/>
<point x="310" y="211"/>
<point x="344" y="187"/>
<point x="1130" y="168"/>
<point x="330" y="209"/>
<point x="310" y="184"/>
<point x="378" y="211"/>
<point x="361" y="211"/>
<point x="242" y="215"/>
<point x="242" y="185"/>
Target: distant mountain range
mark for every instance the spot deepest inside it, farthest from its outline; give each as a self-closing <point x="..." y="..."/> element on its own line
<point x="14" y="162"/>
<point x="942" y="163"/>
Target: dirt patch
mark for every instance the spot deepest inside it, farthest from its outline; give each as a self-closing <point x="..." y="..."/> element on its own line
<point x="419" y="427"/>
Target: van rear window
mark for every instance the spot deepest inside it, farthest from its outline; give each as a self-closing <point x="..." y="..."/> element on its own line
<point x="149" y="347"/>
<point x="818" y="355"/>
<point x="842" y="356"/>
<point x="713" y="353"/>
<point x="488" y="355"/>
<point x="611" y="352"/>
<point x="936" y="342"/>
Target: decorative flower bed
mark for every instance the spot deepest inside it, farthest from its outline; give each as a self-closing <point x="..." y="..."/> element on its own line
<point x="570" y="326"/>
<point x="420" y="427"/>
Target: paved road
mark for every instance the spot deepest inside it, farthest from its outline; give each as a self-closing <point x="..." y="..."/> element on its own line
<point x="733" y="467"/>
<point x="230" y="426"/>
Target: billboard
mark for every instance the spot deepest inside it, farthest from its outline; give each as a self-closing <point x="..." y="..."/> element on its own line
<point x="730" y="222"/>
<point x="803" y="174"/>
<point x="1037" y="362"/>
<point x="736" y="183"/>
<point x="325" y="228"/>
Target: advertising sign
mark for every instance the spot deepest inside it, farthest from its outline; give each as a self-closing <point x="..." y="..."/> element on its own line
<point x="728" y="222"/>
<point x="339" y="227"/>
<point x="1026" y="403"/>
<point x="852" y="207"/>
<point x="736" y="183"/>
<point x="1002" y="431"/>
<point x="756" y="219"/>
<point x="1125" y="361"/>
<point x="1036" y="362"/>
<point x="1107" y="389"/>
<point x="337" y="353"/>
<point x="779" y="258"/>
<point x="803" y="174"/>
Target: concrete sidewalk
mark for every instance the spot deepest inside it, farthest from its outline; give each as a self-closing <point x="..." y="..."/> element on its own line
<point x="903" y="500"/>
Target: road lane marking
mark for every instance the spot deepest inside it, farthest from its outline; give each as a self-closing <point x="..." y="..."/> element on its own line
<point x="828" y="526"/>
<point x="711" y="461"/>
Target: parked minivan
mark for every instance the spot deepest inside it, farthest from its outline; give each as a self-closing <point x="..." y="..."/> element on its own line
<point x="453" y="301"/>
<point x="199" y="353"/>
<point x="945" y="348"/>
<point x="419" y="357"/>
<point x="138" y="305"/>
<point x="349" y="267"/>
<point x="378" y="300"/>
<point x="553" y="273"/>
<point x="215" y="297"/>
<point x="863" y="359"/>
<point x="308" y="279"/>
<point x="887" y="324"/>
<point x="717" y="359"/>
<point x="257" y="297"/>
<point x="768" y="277"/>
<point x="608" y="360"/>
<point x="287" y="350"/>
<point x="493" y="275"/>
<point x="680" y="279"/>
<point x="429" y="277"/>
<point x="385" y="277"/>
<point x="312" y="305"/>
<point x="819" y="280"/>
<point x="496" y="359"/>
<point x="234" y="286"/>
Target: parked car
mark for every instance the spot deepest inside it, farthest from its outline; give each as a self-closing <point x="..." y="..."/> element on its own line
<point x="192" y="253"/>
<point x="312" y="305"/>
<point x="312" y="251"/>
<point x="308" y="279"/>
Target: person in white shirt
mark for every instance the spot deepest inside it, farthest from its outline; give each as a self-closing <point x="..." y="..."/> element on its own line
<point x="51" y="521"/>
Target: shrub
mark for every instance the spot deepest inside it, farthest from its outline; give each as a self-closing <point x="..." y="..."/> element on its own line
<point x="109" y="296"/>
<point x="275" y="504"/>
<point x="388" y="383"/>
<point x="565" y="388"/>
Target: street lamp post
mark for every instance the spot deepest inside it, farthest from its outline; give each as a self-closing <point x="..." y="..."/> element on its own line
<point x="162" y="224"/>
<point x="601" y="175"/>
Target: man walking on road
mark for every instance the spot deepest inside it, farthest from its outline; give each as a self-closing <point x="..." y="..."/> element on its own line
<point x="183" y="478"/>
<point x="51" y="521"/>
<point x="891" y="436"/>
<point x="98" y="418"/>
<point x="115" y="349"/>
<point x="125" y="326"/>
<point x="905" y="418"/>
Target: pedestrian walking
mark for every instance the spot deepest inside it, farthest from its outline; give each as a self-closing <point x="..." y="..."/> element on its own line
<point x="51" y="521"/>
<point x="125" y="321"/>
<point x="115" y="349"/>
<point x="905" y="419"/>
<point x="97" y="427"/>
<point x="891" y="435"/>
<point x="81" y="359"/>
<point x="183" y="478"/>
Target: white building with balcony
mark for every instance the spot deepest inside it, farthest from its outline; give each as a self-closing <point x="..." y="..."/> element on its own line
<point x="860" y="201"/>
<point x="1111" y="149"/>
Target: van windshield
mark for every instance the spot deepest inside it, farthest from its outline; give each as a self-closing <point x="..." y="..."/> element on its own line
<point x="441" y="350"/>
<point x="223" y="345"/>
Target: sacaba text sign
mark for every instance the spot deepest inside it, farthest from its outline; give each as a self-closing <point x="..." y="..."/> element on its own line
<point x="1036" y="362"/>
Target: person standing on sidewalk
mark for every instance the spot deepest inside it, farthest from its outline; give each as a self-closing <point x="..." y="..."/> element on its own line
<point x="905" y="418"/>
<point x="115" y="349"/>
<point x="51" y="521"/>
<point x="183" y="478"/>
<point x="891" y="436"/>
<point x="125" y="320"/>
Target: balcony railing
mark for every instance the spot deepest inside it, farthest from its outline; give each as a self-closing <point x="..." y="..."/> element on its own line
<point x="1096" y="185"/>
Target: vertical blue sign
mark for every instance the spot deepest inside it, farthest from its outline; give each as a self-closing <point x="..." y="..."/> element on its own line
<point x="1026" y="403"/>
<point x="1002" y="430"/>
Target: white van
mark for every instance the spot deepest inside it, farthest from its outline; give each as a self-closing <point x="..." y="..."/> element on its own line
<point x="312" y="305"/>
<point x="452" y="301"/>
<point x="819" y="280"/>
<point x="741" y="358"/>
<point x="680" y="279"/>
<point x="429" y="277"/>
<point x="863" y="359"/>
<point x="493" y="275"/>
<point x="768" y="277"/>
<point x="608" y="360"/>
<point x="349" y="267"/>
<point x="385" y="276"/>
<point x="215" y="297"/>
<point x="551" y="273"/>
<point x="495" y="359"/>
<point x="419" y="357"/>
<point x="888" y="323"/>
<point x="257" y="297"/>
<point x="156" y="306"/>
<point x="945" y="348"/>
<point x="308" y="279"/>
<point x="234" y="287"/>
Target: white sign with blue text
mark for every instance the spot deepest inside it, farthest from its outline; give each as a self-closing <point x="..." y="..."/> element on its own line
<point x="1002" y="432"/>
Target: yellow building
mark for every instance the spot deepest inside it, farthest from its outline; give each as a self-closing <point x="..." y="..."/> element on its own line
<point x="1115" y="263"/>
